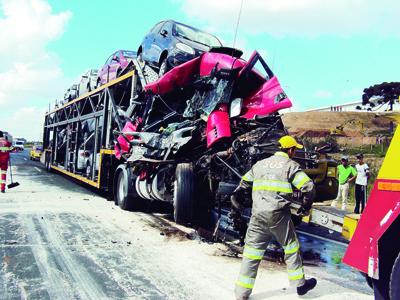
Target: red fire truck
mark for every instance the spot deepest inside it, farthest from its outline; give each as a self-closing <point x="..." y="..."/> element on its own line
<point x="375" y="245"/>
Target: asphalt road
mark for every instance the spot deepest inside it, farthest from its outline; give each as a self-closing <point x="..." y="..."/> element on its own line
<point x="61" y="240"/>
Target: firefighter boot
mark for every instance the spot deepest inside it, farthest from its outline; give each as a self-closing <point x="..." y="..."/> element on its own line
<point x="308" y="286"/>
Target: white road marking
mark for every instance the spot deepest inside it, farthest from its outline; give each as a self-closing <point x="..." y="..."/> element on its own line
<point x="37" y="169"/>
<point x="25" y="158"/>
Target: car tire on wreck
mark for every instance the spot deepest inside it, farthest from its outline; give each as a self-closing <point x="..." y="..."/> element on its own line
<point x="125" y="195"/>
<point x="163" y="67"/>
<point x="184" y="197"/>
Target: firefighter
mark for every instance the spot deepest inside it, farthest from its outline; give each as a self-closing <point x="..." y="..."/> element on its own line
<point x="272" y="181"/>
<point x="5" y="148"/>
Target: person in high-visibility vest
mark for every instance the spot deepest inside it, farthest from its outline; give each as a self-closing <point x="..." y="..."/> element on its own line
<point x="272" y="182"/>
<point x="5" y="148"/>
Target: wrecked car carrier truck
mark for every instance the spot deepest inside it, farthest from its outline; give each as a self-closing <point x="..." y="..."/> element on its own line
<point x="183" y="138"/>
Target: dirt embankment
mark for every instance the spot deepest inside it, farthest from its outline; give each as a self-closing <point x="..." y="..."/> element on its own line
<point x="359" y="128"/>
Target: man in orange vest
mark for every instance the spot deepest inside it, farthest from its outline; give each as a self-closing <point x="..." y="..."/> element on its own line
<point x="5" y="148"/>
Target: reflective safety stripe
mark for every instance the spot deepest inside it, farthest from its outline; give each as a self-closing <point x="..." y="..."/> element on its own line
<point x="292" y="248"/>
<point x="248" y="177"/>
<point x="300" y="179"/>
<point x="296" y="274"/>
<point x="5" y="149"/>
<point x="272" y="185"/>
<point x="2" y="181"/>
<point x="3" y="172"/>
<point x="280" y="153"/>
<point x="246" y="281"/>
<point x="253" y="253"/>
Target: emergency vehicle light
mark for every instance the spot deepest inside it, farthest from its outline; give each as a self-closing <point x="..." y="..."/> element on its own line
<point x="389" y="186"/>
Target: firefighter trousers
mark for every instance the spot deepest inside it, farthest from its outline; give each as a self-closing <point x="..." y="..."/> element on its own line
<point x="3" y="177"/>
<point x="259" y="234"/>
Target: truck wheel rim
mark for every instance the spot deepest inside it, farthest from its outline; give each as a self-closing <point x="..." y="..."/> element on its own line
<point x="175" y="192"/>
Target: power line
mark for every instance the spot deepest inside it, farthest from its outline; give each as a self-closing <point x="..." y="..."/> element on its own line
<point x="237" y="24"/>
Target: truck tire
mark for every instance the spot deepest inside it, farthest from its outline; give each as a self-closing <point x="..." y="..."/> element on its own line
<point x="47" y="163"/>
<point x="368" y="280"/>
<point x="381" y="286"/>
<point x="125" y="195"/>
<point x="88" y="170"/>
<point x="395" y="280"/>
<point x="47" y="166"/>
<point x="389" y="269"/>
<point x="184" y="198"/>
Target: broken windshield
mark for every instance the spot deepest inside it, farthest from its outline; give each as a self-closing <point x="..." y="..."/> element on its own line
<point x="221" y="94"/>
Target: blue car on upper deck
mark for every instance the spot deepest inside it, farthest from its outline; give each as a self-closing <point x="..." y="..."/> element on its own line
<point x="170" y="43"/>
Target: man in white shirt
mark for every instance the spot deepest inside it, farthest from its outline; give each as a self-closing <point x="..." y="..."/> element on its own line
<point x="361" y="183"/>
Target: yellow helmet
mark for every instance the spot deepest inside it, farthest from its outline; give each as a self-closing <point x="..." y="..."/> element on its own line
<point x="287" y="142"/>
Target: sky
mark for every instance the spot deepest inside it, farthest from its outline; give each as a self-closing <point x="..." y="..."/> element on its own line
<point x="324" y="52"/>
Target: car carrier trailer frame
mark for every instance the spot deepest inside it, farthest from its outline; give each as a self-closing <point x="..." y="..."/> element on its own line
<point x="106" y="107"/>
<point x="64" y="132"/>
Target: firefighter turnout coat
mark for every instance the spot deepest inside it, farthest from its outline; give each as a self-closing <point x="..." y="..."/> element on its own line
<point x="5" y="148"/>
<point x="273" y="180"/>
